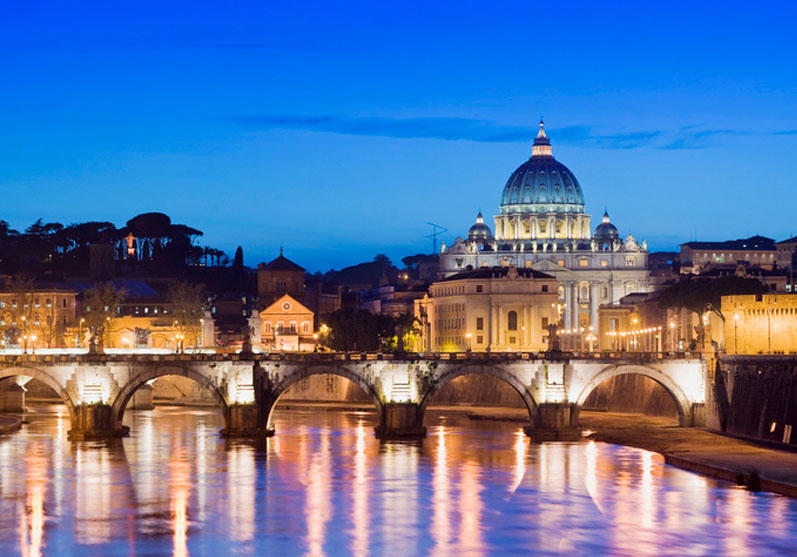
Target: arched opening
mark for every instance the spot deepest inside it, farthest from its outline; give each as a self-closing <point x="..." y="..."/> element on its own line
<point x="619" y="396"/>
<point x="478" y="398"/>
<point x="179" y="399"/>
<point x="23" y="389"/>
<point x="327" y="398"/>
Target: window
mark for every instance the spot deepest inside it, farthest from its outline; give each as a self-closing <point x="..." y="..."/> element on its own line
<point x="479" y="288"/>
<point x="305" y="326"/>
<point x="479" y="339"/>
<point x="545" y="288"/>
<point x="480" y="323"/>
<point x="561" y="262"/>
<point x="604" y="292"/>
<point x="604" y="263"/>
<point x="583" y="262"/>
<point x="267" y="326"/>
<point x="544" y="323"/>
<point x="630" y="261"/>
<point x="511" y="320"/>
<point x="281" y="287"/>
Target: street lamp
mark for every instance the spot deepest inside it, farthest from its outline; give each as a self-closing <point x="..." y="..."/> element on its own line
<point x="468" y="336"/>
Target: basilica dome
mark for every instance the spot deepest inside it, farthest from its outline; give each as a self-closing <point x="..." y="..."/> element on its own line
<point x="480" y="232"/>
<point x="606" y="233"/>
<point x="542" y="184"/>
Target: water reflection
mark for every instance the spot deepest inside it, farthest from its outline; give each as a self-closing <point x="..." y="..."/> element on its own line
<point x="328" y="486"/>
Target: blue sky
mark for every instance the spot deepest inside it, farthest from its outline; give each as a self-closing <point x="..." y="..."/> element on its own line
<point x="338" y="130"/>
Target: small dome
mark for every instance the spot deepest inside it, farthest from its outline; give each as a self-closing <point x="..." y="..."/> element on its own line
<point x="606" y="233"/>
<point x="542" y="184"/>
<point x="480" y="232"/>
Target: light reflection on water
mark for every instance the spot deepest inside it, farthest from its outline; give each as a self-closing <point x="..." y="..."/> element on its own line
<point x="325" y="485"/>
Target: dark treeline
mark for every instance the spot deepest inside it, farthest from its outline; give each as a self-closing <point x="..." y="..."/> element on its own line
<point x="149" y="241"/>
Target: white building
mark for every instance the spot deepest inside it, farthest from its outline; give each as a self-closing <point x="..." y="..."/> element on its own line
<point x="542" y="225"/>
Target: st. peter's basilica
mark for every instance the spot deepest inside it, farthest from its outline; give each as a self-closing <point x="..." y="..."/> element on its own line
<point x="542" y="225"/>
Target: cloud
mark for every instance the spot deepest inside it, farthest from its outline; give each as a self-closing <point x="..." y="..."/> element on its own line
<point x="450" y="129"/>
<point x="469" y="129"/>
<point x="691" y="137"/>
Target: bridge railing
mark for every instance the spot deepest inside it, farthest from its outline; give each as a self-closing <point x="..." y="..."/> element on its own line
<point x="346" y="356"/>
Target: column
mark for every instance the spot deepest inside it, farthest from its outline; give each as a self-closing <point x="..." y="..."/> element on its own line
<point x="499" y="322"/>
<point x="593" y="305"/>
<point x="568" y="304"/>
<point x="574" y="306"/>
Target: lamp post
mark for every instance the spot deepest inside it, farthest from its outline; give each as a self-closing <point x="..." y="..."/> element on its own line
<point x="468" y="337"/>
<point x="79" y="332"/>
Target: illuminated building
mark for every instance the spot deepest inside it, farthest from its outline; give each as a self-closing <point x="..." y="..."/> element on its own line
<point x="542" y="226"/>
<point x="492" y="309"/>
<point x="763" y="324"/>
<point x="634" y="324"/>
<point x="42" y="316"/>
<point x="287" y="325"/>
<point x="756" y="250"/>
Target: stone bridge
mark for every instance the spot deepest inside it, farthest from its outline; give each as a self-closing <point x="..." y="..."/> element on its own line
<point x="97" y="388"/>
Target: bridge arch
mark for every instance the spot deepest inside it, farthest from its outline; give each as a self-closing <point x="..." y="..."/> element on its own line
<point x="45" y="378"/>
<point x="682" y="403"/>
<point x="303" y="372"/>
<point x="481" y="369"/>
<point x="147" y="374"/>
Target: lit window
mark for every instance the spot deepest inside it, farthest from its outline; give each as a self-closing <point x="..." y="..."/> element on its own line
<point x="604" y="263"/>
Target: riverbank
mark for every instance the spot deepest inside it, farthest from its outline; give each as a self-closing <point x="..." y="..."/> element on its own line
<point x="9" y="424"/>
<point x="699" y="450"/>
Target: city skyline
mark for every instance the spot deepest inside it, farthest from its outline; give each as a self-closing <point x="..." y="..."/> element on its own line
<point x="339" y="134"/>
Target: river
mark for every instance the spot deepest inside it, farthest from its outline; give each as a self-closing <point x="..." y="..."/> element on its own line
<point x="325" y="485"/>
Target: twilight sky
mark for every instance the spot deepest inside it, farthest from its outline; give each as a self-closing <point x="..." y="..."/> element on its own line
<point x="338" y="130"/>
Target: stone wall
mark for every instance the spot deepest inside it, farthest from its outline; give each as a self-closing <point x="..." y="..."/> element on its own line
<point x="756" y="396"/>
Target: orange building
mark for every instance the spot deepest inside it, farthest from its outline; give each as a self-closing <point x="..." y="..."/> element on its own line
<point x="287" y="325"/>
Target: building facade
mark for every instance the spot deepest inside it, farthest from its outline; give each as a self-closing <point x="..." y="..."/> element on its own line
<point x="39" y="317"/>
<point x="764" y="324"/>
<point x="489" y="310"/>
<point x="757" y="251"/>
<point x="542" y="225"/>
<point x="287" y="325"/>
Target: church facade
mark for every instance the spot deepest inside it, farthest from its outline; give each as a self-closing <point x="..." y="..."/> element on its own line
<point x="542" y="225"/>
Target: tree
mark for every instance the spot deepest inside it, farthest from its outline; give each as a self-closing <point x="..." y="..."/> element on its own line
<point x="187" y="304"/>
<point x="99" y="307"/>
<point x="358" y="329"/>
<point x="238" y="261"/>
<point x="701" y="294"/>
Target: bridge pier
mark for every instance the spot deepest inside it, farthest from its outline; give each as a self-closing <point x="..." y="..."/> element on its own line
<point x="95" y="421"/>
<point x="12" y="398"/>
<point x="401" y="420"/>
<point x="556" y="421"/>
<point x="245" y="421"/>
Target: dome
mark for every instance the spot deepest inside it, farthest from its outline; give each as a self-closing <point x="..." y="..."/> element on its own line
<point x="606" y="233"/>
<point x="480" y="232"/>
<point x="542" y="184"/>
